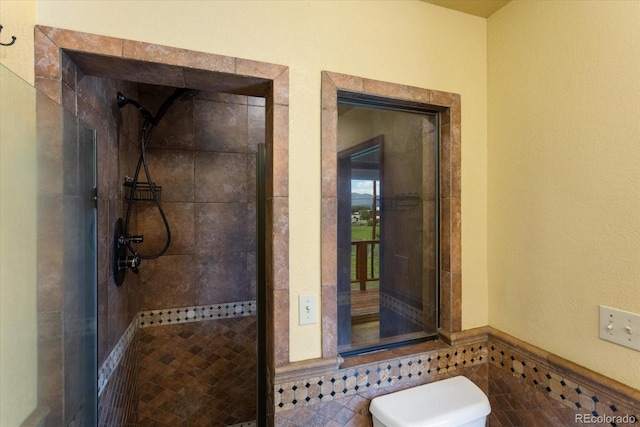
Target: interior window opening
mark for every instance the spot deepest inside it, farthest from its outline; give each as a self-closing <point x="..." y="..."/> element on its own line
<point x="388" y="223"/>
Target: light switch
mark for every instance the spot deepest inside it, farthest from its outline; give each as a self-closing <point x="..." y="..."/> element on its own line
<point x="620" y="327"/>
<point x="308" y="308"/>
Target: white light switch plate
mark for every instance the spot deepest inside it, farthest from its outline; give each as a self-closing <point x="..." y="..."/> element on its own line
<point x="308" y="308"/>
<point x="620" y="327"/>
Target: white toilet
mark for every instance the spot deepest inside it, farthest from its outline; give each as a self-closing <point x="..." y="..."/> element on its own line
<point x="454" y="402"/>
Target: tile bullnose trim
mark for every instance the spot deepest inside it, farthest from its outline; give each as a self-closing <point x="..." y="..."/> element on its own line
<point x="307" y="368"/>
<point x="468" y="336"/>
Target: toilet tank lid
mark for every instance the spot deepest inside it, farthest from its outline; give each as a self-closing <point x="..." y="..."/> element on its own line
<point x="449" y="402"/>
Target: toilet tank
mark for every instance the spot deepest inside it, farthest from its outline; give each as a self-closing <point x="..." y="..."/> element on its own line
<point x="454" y="402"/>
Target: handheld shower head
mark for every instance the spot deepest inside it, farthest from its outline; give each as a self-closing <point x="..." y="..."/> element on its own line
<point x="180" y="94"/>
<point x="122" y="100"/>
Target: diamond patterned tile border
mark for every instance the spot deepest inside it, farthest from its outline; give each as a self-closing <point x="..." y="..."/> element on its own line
<point x="377" y="376"/>
<point x="171" y="316"/>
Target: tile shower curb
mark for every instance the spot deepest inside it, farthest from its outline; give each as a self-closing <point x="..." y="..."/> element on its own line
<point x="572" y="385"/>
<point x="166" y="317"/>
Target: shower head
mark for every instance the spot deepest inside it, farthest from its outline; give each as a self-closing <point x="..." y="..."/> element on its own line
<point x="185" y="94"/>
<point x="180" y="94"/>
<point x="122" y="100"/>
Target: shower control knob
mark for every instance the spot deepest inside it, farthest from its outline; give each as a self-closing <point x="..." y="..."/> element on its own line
<point x="125" y="240"/>
<point x="131" y="262"/>
<point x="135" y="239"/>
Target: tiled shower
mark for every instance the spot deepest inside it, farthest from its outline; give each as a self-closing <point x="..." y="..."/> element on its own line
<point x="177" y="341"/>
<point x="200" y="293"/>
<point x="203" y="156"/>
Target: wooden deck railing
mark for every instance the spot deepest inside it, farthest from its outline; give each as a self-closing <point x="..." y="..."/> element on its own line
<point x="365" y="269"/>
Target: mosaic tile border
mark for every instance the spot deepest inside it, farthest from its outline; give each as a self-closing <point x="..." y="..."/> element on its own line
<point x="401" y="308"/>
<point x="565" y="388"/>
<point x="563" y="381"/>
<point x="394" y="304"/>
<point x="376" y="376"/>
<point x="169" y="316"/>
<point x="112" y="361"/>
<point x="172" y="316"/>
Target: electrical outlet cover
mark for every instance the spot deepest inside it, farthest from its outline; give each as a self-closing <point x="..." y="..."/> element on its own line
<point x="620" y="327"/>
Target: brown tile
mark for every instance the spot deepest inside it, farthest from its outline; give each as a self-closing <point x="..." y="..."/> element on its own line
<point x="281" y="88"/>
<point x="47" y="63"/>
<point x="329" y="150"/>
<point x="445" y="161"/>
<point x="221" y="177"/>
<point x="166" y="282"/>
<point x="85" y="42"/>
<point x="220" y="227"/>
<point x="280" y="151"/>
<point x="173" y="170"/>
<point x="176" y="56"/>
<point x="444" y="99"/>
<point x="456" y="302"/>
<point x="329" y="321"/>
<point x="50" y="87"/>
<point x="445" y="235"/>
<point x="221" y="127"/>
<point x="389" y="90"/>
<point x="280" y="242"/>
<point x="329" y="246"/>
<point x="180" y="217"/>
<point x="329" y="99"/>
<point x="281" y="327"/>
<point x="205" y="357"/>
<point x="258" y="69"/>
<point x="445" y="301"/>
<point x="256" y="126"/>
<point x="347" y="82"/>
<point x="456" y="161"/>
<point x="221" y="278"/>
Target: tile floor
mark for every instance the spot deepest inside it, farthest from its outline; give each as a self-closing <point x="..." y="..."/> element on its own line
<point x="198" y="374"/>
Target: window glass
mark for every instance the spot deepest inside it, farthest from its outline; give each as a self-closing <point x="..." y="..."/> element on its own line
<point x="387" y="225"/>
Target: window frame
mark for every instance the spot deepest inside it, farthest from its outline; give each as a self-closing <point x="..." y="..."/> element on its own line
<point x="448" y="107"/>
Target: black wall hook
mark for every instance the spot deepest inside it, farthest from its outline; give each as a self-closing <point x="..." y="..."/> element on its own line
<point x="13" y="39"/>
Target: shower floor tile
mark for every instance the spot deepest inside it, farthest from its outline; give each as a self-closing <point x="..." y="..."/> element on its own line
<point x="198" y="374"/>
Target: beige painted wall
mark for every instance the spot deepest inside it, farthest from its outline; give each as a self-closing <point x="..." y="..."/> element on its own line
<point x="18" y="281"/>
<point x="564" y="175"/>
<point x="408" y="42"/>
<point x="18" y="18"/>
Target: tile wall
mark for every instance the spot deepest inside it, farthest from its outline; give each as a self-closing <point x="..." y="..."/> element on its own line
<point x="526" y="385"/>
<point x="203" y="155"/>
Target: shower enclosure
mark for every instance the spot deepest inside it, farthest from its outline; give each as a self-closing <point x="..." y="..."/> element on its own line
<point x="220" y="268"/>
<point x="48" y="256"/>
